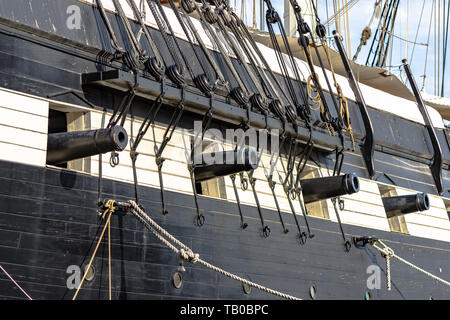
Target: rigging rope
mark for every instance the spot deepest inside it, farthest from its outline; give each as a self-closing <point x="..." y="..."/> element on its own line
<point x="14" y="281"/>
<point x="388" y="253"/>
<point x="417" y="33"/>
<point x="110" y="208"/>
<point x="187" y="254"/>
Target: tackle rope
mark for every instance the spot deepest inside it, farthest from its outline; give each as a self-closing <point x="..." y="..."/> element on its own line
<point x="187" y="254"/>
<point x="14" y="281"/>
<point x="110" y="208"/>
<point x="388" y="253"/>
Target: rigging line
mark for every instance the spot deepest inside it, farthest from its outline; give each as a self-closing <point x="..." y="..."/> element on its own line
<point x="446" y="31"/>
<point x="439" y="46"/>
<point x="112" y="36"/>
<point x="137" y="56"/>
<point x="146" y="123"/>
<point x="128" y="29"/>
<point x="155" y="65"/>
<point x="14" y="281"/>
<point x="272" y="17"/>
<point x="383" y="12"/>
<point x="173" y="123"/>
<point x="255" y="57"/>
<point x="264" y="62"/>
<point x="110" y="208"/>
<point x="385" y="44"/>
<point x="383" y="23"/>
<point x="389" y="253"/>
<point x="275" y="105"/>
<point x="120" y="114"/>
<point x="389" y="41"/>
<point x="259" y="100"/>
<point x="428" y="46"/>
<point x="436" y="62"/>
<point x="200" y="80"/>
<point x="341" y="124"/>
<point x="186" y="253"/>
<point x="302" y="236"/>
<point x="206" y="123"/>
<point x="176" y="72"/>
<point x="233" y="180"/>
<point x="303" y="29"/>
<point x="252" y="180"/>
<point x="271" y="91"/>
<point x="417" y="33"/>
<point x="174" y="37"/>
<point x="272" y="185"/>
<point x="234" y="26"/>
<point x="405" y="40"/>
<point x="367" y="32"/>
<point x="337" y="122"/>
<point x="240" y="93"/>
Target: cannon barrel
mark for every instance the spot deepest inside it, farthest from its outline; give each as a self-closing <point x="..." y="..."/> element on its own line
<point x="399" y="206"/>
<point x="225" y="163"/>
<point x="329" y="187"/>
<point x="67" y="146"/>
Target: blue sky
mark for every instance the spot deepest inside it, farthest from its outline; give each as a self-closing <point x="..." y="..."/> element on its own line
<point x="360" y="15"/>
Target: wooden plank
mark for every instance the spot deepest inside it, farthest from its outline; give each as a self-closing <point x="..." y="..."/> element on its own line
<point x="428" y="232"/>
<point x="25" y="155"/>
<point x="428" y="221"/>
<point x="363" y="220"/>
<point x="19" y="102"/>
<point x="145" y="177"/>
<point x="23" y="137"/>
<point x="19" y="119"/>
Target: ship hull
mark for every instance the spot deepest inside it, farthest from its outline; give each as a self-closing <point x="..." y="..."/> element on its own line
<point x="49" y="222"/>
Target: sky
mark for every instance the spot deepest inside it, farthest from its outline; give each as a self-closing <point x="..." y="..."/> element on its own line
<point x="415" y="20"/>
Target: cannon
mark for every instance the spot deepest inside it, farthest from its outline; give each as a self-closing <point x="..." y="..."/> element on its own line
<point x="318" y="189"/>
<point x="401" y="205"/>
<point x="67" y="146"/>
<point x="226" y="163"/>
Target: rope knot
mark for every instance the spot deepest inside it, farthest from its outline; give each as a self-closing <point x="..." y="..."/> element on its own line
<point x="110" y="208"/>
<point x="189" y="256"/>
<point x="388" y="253"/>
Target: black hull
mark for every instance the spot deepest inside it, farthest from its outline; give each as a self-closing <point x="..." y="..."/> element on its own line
<point x="49" y="220"/>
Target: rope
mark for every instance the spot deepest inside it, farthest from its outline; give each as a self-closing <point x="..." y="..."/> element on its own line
<point x="17" y="285"/>
<point x="187" y="254"/>
<point x="389" y="253"/>
<point x="110" y="208"/>
<point x="109" y="258"/>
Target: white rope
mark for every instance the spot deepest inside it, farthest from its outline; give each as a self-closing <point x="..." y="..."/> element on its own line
<point x="26" y="294"/>
<point x="388" y="253"/>
<point x="188" y="255"/>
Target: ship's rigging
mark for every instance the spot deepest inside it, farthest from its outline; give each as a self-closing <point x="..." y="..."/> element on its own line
<point x="261" y="93"/>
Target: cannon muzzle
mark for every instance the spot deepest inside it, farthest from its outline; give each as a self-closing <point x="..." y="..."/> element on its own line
<point x="329" y="187"/>
<point x="226" y="163"/>
<point x="399" y="206"/>
<point x="67" y="146"/>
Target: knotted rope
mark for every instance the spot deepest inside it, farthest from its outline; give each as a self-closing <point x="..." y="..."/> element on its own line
<point x="389" y="253"/>
<point x="187" y="254"/>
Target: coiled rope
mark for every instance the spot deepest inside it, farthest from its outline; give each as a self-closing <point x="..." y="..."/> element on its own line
<point x="388" y="253"/>
<point x="187" y="254"/>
